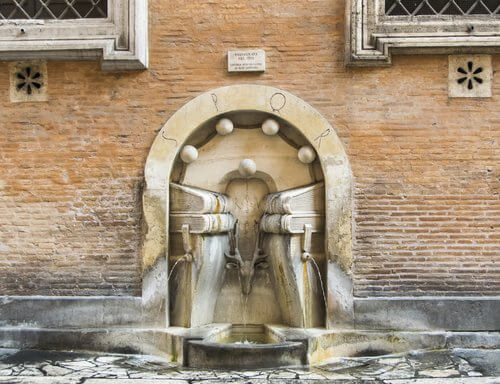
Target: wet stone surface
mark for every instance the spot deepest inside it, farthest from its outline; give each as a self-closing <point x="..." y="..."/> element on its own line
<point x="455" y="366"/>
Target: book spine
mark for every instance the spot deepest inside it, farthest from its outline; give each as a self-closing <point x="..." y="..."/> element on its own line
<point x="276" y="223"/>
<point x="277" y="204"/>
<point x="193" y="201"/>
<point x="271" y="223"/>
<point x="202" y="223"/>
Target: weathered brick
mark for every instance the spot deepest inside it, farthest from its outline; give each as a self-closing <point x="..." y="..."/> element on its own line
<point x="427" y="207"/>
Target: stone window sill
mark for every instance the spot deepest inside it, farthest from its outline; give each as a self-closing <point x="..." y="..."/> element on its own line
<point x="119" y="41"/>
<point x="373" y="37"/>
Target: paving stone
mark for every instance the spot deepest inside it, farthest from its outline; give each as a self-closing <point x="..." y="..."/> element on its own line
<point x="30" y="367"/>
<point x="274" y="381"/>
<point x="24" y="371"/>
<point x="5" y="366"/>
<point x="78" y="365"/>
<point x="37" y="380"/>
<point x="338" y="376"/>
<point x="483" y="360"/>
<point x="430" y="360"/>
<point x="474" y="373"/>
<point x="393" y="361"/>
<point x="54" y="370"/>
<point x="135" y="381"/>
<point x="312" y="375"/>
<point x="342" y="364"/>
<point x="470" y="380"/>
<point x="108" y="359"/>
<point x="462" y="364"/>
<point x="401" y="371"/>
<point x="252" y="374"/>
<point x="283" y="375"/>
<point x="439" y="372"/>
<point x="373" y="369"/>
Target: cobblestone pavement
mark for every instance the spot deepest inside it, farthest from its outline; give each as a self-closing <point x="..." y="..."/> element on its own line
<point x="457" y="366"/>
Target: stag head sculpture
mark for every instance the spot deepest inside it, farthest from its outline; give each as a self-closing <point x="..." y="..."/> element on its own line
<point x="246" y="268"/>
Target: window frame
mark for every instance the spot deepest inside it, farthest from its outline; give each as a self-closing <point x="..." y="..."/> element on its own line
<point x="120" y="41"/>
<point x="372" y="37"/>
<point x="35" y="7"/>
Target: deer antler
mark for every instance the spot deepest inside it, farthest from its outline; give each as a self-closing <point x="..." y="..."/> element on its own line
<point x="234" y="252"/>
<point x="258" y="253"/>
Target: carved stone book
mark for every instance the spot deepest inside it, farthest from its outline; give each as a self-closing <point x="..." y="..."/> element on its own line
<point x="195" y="200"/>
<point x="299" y="200"/>
<point x="202" y="223"/>
<point x="277" y="223"/>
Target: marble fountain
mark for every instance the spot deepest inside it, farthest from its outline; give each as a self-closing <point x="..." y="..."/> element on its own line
<point x="246" y="248"/>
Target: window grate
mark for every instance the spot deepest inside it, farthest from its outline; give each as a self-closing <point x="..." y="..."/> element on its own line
<point x="53" y="9"/>
<point x="442" y="7"/>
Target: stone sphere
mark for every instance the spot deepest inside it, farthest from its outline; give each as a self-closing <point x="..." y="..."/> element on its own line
<point x="224" y="127"/>
<point x="189" y="154"/>
<point x="306" y="154"/>
<point x="270" y="127"/>
<point x="247" y="167"/>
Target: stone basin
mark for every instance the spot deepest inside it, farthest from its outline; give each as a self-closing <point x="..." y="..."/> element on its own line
<point x="245" y="347"/>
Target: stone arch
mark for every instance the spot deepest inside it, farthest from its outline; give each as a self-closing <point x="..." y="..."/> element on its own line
<point x="334" y="163"/>
<point x="266" y="179"/>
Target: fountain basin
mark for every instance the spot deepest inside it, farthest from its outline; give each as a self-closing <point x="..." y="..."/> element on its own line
<point x="245" y="347"/>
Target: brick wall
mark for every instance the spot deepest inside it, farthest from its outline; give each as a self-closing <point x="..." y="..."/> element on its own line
<point x="425" y="166"/>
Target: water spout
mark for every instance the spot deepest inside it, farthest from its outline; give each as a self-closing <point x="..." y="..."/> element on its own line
<point x="188" y="249"/>
<point x="306" y="256"/>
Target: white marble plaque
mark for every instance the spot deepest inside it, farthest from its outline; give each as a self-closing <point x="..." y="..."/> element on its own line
<point x="251" y="60"/>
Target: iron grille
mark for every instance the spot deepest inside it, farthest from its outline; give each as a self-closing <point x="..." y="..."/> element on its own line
<point x="53" y="9"/>
<point x="442" y="7"/>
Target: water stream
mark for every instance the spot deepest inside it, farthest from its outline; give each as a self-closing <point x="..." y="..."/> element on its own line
<point x="173" y="267"/>
<point x="169" y="276"/>
<point x="244" y="302"/>
<point x="320" y="280"/>
<point x="245" y="310"/>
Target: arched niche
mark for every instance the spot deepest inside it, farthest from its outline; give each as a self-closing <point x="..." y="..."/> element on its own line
<point x="227" y="101"/>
